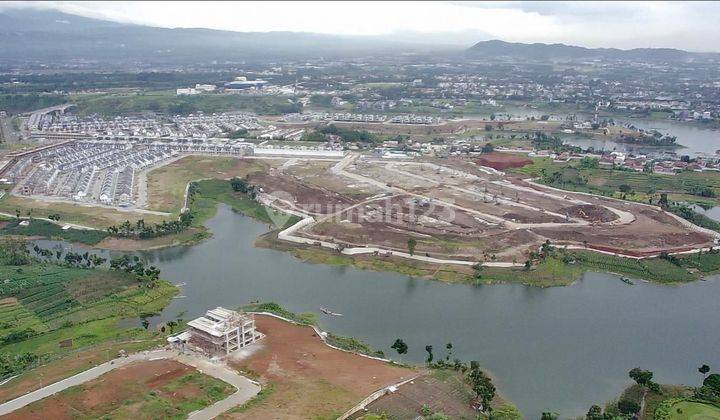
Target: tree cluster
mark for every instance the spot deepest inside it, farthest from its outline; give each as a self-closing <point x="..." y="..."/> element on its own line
<point x="148" y="275"/>
<point x="142" y="230"/>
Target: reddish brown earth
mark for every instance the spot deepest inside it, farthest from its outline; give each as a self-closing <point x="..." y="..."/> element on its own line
<point x="502" y="161"/>
<point x="102" y="395"/>
<point x="309" y="378"/>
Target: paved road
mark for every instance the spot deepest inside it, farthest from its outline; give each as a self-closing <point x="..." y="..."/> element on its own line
<point x="246" y="388"/>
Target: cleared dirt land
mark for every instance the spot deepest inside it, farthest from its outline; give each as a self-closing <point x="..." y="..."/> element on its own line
<point x="453" y="208"/>
<point x="308" y="378"/>
<point x="142" y="390"/>
<point x="456" y="209"/>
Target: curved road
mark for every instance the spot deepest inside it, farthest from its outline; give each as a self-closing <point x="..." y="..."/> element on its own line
<point x="246" y="389"/>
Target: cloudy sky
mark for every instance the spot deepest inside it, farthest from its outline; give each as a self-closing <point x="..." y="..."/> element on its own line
<point x="688" y="25"/>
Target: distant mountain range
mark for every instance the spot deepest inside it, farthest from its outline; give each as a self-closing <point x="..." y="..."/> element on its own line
<point x="545" y="52"/>
<point x="51" y="36"/>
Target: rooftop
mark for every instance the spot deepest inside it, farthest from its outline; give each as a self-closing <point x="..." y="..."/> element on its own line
<point x="219" y="321"/>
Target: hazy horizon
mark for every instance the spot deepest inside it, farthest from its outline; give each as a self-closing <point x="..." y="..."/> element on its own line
<point x="683" y="25"/>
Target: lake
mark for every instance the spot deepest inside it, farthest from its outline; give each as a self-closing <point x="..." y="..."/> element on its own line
<point x="561" y="349"/>
<point x="697" y="139"/>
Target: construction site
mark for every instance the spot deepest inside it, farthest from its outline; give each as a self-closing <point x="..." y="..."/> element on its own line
<point x="219" y="332"/>
<point x="438" y="210"/>
<point x="457" y="211"/>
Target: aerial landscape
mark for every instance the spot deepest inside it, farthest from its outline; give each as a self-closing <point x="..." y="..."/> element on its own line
<point x="360" y="210"/>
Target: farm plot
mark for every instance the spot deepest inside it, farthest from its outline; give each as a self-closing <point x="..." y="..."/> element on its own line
<point x="39" y="298"/>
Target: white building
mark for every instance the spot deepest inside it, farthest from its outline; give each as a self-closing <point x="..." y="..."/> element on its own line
<point x="205" y="88"/>
<point x="187" y="91"/>
<point x="221" y="331"/>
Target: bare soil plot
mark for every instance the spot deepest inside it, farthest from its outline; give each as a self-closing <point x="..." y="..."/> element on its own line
<point x="311" y="199"/>
<point x="310" y="379"/>
<point x="138" y="390"/>
<point x="502" y="161"/>
<point x="318" y="174"/>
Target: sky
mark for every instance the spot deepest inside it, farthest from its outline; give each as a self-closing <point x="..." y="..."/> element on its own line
<point x="687" y="25"/>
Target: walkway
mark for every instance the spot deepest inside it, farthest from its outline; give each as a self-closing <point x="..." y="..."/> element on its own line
<point x="246" y="389"/>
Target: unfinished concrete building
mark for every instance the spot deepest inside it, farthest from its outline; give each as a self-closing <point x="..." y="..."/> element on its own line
<point x="221" y="331"/>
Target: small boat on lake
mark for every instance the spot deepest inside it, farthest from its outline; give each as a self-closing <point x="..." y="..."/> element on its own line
<point x="626" y="280"/>
<point x="326" y="311"/>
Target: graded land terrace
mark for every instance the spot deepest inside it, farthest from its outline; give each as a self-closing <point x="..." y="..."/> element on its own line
<point x="429" y="217"/>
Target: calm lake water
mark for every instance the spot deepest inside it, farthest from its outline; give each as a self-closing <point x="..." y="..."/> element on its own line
<point x="559" y="349"/>
<point x="697" y="139"/>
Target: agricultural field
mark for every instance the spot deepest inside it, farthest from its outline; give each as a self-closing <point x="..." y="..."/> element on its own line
<point x="48" y="310"/>
<point x="141" y="390"/>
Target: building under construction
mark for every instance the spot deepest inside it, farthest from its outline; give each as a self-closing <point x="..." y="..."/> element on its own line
<point x="219" y="332"/>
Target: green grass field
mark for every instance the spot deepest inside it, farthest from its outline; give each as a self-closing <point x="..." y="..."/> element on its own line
<point x="687" y="410"/>
<point x="51" y="230"/>
<point x="167" y="102"/>
<point x="215" y="191"/>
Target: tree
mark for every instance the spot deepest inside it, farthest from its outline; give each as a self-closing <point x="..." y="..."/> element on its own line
<point x="589" y="163"/>
<point x="625" y="188"/>
<point x="428" y="349"/>
<point x="704" y="370"/>
<point x="145" y="323"/>
<point x="411" y="244"/>
<point x="628" y="406"/>
<point x="485" y="390"/>
<point x="448" y="347"/>
<point x="14" y="251"/>
<point x="548" y="416"/>
<point x="595" y="413"/>
<point x="663" y="201"/>
<point x="713" y="382"/>
<point x="171" y="325"/>
<point x="488" y="148"/>
<point x="488" y="127"/>
<point x="477" y="268"/>
<point x="400" y="346"/>
<point x="641" y="377"/>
